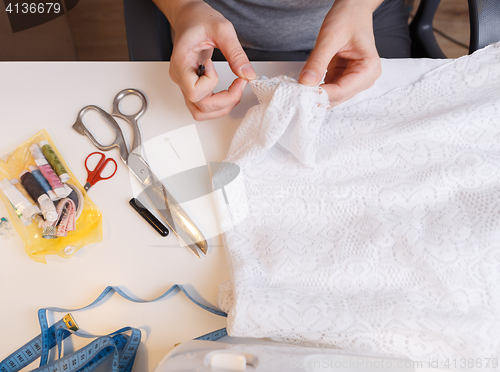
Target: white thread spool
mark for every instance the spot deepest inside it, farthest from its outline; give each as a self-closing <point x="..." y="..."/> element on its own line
<point x="22" y="205"/>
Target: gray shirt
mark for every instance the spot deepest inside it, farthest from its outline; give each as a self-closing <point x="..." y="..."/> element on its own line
<point x="275" y="25"/>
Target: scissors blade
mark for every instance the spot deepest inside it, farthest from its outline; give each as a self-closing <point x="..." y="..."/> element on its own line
<point x="168" y="207"/>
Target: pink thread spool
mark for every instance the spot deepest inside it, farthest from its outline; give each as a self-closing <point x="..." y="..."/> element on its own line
<point x="51" y="177"/>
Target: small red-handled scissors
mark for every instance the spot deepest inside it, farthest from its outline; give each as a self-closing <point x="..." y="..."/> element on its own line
<point x="94" y="176"/>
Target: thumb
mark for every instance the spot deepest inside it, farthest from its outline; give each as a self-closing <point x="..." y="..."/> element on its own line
<point x="230" y="47"/>
<point x="313" y="71"/>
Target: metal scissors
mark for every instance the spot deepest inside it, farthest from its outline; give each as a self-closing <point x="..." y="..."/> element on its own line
<point x="94" y="176"/>
<point x="165" y="203"/>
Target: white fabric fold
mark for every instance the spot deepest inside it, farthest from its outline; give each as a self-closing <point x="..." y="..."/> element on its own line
<point x="372" y="228"/>
<point x="289" y="113"/>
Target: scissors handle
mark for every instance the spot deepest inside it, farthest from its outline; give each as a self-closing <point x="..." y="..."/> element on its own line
<point x="132" y="119"/>
<point x="94" y="175"/>
<point x="119" y="140"/>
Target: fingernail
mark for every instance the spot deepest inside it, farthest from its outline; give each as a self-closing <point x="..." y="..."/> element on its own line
<point x="308" y="77"/>
<point x="248" y="71"/>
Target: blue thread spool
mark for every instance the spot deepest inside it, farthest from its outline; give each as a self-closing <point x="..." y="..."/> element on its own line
<point x="35" y="171"/>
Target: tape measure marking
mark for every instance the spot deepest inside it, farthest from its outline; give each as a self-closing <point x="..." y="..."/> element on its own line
<point x="32" y="349"/>
<point x="91" y="356"/>
<point x="213" y="336"/>
<point x="123" y="347"/>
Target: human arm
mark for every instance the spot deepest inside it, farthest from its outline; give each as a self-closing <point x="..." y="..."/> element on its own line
<point x="346" y="50"/>
<point x="198" y="29"/>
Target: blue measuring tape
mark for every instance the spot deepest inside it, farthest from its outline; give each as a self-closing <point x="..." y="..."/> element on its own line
<point x="119" y="344"/>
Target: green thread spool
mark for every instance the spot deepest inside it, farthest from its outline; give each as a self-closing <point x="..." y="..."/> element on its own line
<point x="54" y="161"/>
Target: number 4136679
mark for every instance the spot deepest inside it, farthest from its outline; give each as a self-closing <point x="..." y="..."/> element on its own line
<point x="471" y="363"/>
<point x="38" y="8"/>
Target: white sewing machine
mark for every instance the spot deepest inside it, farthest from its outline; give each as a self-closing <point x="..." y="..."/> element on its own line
<point x="259" y="355"/>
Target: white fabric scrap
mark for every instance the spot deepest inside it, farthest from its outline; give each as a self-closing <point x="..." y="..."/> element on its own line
<point x="373" y="228"/>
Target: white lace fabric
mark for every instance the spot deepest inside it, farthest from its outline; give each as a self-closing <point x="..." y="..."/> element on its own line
<point x="372" y="228"/>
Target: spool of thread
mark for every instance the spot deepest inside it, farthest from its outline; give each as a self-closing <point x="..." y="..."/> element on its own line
<point x="54" y="181"/>
<point x="54" y="161"/>
<point x="36" y="191"/>
<point x="24" y="209"/>
<point x="32" y="186"/>
<point x="36" y="151"/>
<point x="23" y="191"/>
<point x="35" y="171"/>
<point x="49" y="211"/>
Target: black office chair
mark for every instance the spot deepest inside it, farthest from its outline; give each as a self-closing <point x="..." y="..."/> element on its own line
<point x="484" y="16"/>
<point x="149" y="37"/>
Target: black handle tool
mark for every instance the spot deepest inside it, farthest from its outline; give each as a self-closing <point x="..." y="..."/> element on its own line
<point x="149" y="217"/>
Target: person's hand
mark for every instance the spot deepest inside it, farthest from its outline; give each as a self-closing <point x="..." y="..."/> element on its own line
<point x="346" y="50"/>
<point x="198" y="30"/>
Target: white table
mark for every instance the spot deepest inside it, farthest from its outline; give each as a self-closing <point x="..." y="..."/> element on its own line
<point x="49" y="95"/>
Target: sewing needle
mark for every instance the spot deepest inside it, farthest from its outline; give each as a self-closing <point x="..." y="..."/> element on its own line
<point x="173" y="148"/>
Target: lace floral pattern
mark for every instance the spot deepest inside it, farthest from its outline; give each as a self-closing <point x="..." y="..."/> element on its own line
<point x="373" y="228"/>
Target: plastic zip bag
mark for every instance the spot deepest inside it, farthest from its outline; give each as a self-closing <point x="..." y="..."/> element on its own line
<point x="88" y="227"/>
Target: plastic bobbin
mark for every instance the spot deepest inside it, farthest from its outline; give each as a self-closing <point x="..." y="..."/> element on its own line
<point x="69" y="250"/>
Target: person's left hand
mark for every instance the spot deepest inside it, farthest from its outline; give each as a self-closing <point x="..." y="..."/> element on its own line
<point x="346" y="50"/>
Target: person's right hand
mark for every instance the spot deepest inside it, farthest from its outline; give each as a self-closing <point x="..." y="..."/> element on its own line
<point x="198" y="30"/>
<point x="346" y="50"/>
